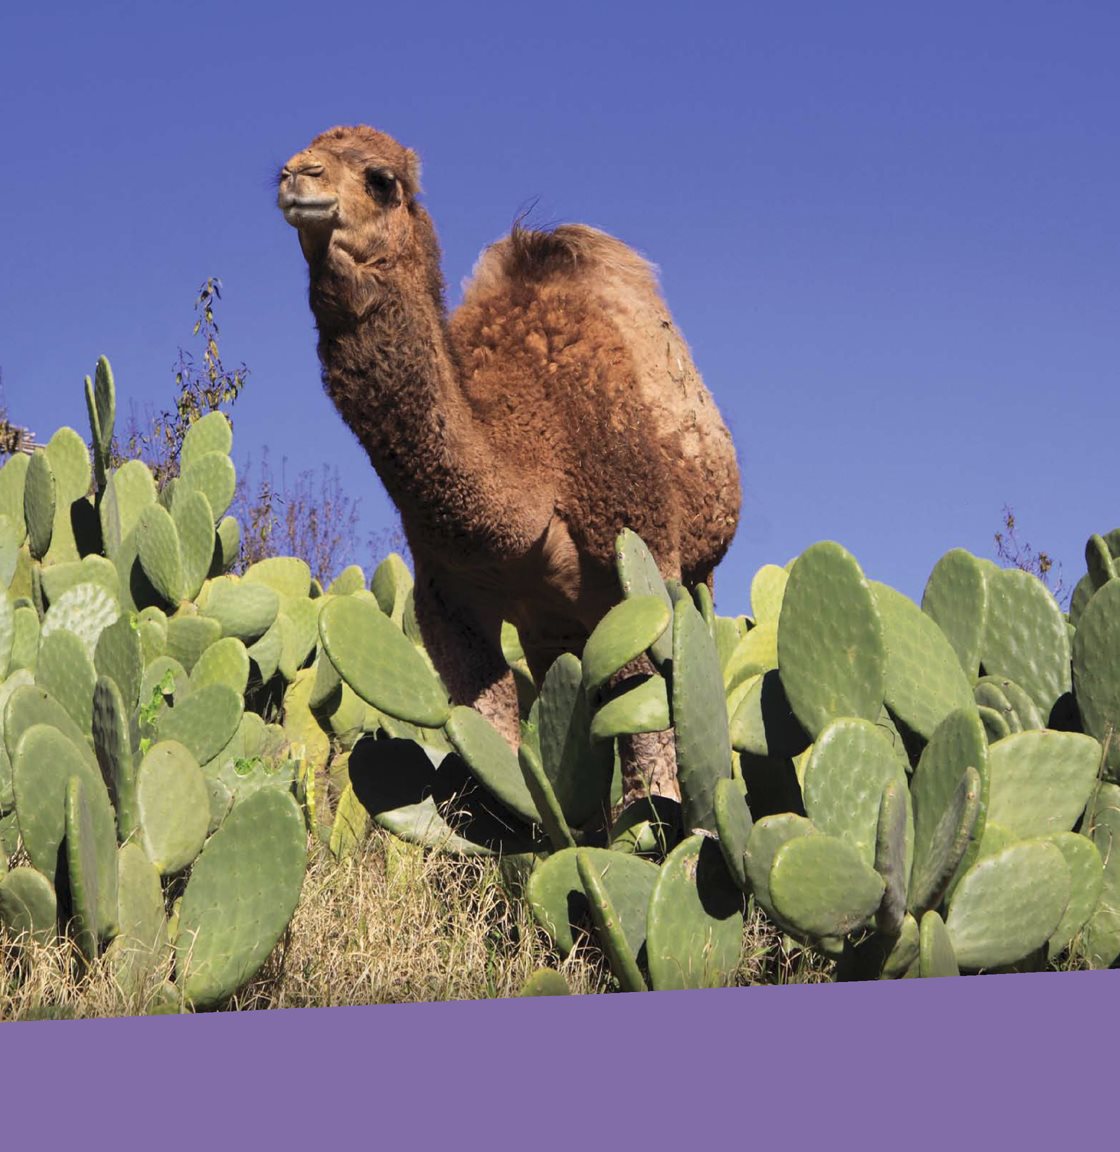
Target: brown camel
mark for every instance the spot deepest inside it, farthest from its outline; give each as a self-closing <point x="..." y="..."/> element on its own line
<point x="520" y="435"/>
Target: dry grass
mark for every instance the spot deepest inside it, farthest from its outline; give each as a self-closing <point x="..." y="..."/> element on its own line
<point x="388" y="925"/>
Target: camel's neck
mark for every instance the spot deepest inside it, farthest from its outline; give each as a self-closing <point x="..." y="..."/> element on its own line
<point x="393" y="379"/>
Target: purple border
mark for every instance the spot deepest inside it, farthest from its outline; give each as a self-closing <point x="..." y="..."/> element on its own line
<point x="914" y="1064"/>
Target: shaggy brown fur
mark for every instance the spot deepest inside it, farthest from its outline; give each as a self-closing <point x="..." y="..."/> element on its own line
<point x="556" y="406"/>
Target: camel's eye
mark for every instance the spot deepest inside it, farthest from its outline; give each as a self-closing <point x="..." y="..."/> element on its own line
<point x="382" y="184"/>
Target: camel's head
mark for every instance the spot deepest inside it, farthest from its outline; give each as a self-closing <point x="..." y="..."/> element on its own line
<point x="351" y="194"/>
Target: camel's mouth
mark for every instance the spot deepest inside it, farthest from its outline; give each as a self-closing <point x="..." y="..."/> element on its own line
<point x="300" y="212"/>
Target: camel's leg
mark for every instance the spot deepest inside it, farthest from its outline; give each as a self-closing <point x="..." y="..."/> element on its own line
<point x="463" y="636"/>
<point x="648" y="759"/>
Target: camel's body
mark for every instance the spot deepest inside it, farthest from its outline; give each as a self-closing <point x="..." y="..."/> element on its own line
<point x="557" y="406"/>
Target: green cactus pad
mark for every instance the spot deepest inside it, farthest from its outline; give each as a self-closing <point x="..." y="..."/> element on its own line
<point x="995" y="723"/>
<point x="242" y="893"/>
<point x="173" y="805"/>
<point x="65" y="670"/>
<point x="288" y="576"/>
<point x="766" y="836"/>
<point x="227" y="546"/>
<point x="559" y="905"/>
<point x="7" y="633"/>
<point x="764" y="724"/>
<point x="209" y="433"/>
<point x="119" y="655"/>
<point x="43" y="763"/>
<point x="734" y="824"/>
<point x="821" y="886"/>
<point x="608" y="925"/>
<point x="1102" y="825"/>
<point x="268" y="651"/>
<point x="28" y="905"/>
<point x="950" y="840"/>
<point x="1040" y="782"/>
<point x="1008" y="904"/>
<point x="212" y="474"/>
<point x="142" y="945"/>
<point x="988" y="694"/>
<point x="957" y="744"/>
<point x="545" y="982"/>
<point x="130" y="490"/>
<point x="391" y="583"/>
<point x="28" y="705"/>
<point x="204" y="720"/>
<point x="1099" y="561"/>
<point x="830" y="640"/>
<point x="39" y="501"/>
<point x="25" y="639"/>
<point x="491" y="760"/>
<point x="956" y="598"/>
<point x="163" y="677"/>
<point x="1096" y="671"/>
<point x="923" y="680"/>
<point x="894" y="837"/>
<point x="13" y="480"/>
<point x="1026" y="638"/>
<point x="350" y="580"/>
<point x="112" y="744"/>
<point x="245" y="609"/>
<point x="189" y="636"/>
<point x="1086" y="869"/>
<point x="578" y="769"/>
<point x="194" y="527"/>
<point x="157" y="546"/>
<point x="58" y="579"/>
<point x="380" y="663"/>
<point x="85" y="610"/>
<point x="224" y="662"/>
<point x="623" y="634"/>
<point x="152" y="626"/>
<point x="935" y="948"/>
<point x="639" y="576"/>
<point x="849" y="766"/>
<point x="768" y="587"/>
<point x="699" y="713"/>
<point x="754" y="653"/>
<point x="101" y="404"/>
<point x="641" y="708"/>
<point x="544" y="798"/>
<point x="91" y="855"/>
<point x="300" y="630"/>
<point x="650" y="827"/>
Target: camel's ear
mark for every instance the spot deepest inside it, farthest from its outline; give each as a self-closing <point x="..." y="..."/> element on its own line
<point x="410" y="177"/>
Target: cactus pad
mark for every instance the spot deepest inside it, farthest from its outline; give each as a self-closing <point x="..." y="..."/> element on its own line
<point x="1026" y="638"/>
<point x="578" y="769"/>
<point x="1008" y="904"/>
<point x="822" y="886"/>
<point x="382" y="666"/>
<point x="923" y="680"/>
<point x="1096" y="671"/>
<point x="173" y="806"/>
<point x="699" y="712"/>
<point x="695" y="920"/>
<point x="830" y="639"/>
<point x="623" y="634"/>
<point x="491" y="760"/>
<point x="242" y="893"/>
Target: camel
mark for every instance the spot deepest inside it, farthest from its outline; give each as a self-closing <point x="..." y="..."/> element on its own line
<point x="518" y="436"/>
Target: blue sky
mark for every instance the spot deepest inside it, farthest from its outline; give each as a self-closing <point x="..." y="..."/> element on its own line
<point x="889" y="232"/>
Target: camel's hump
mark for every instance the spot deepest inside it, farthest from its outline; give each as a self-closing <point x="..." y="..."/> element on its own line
<point x="567" y="251"/>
